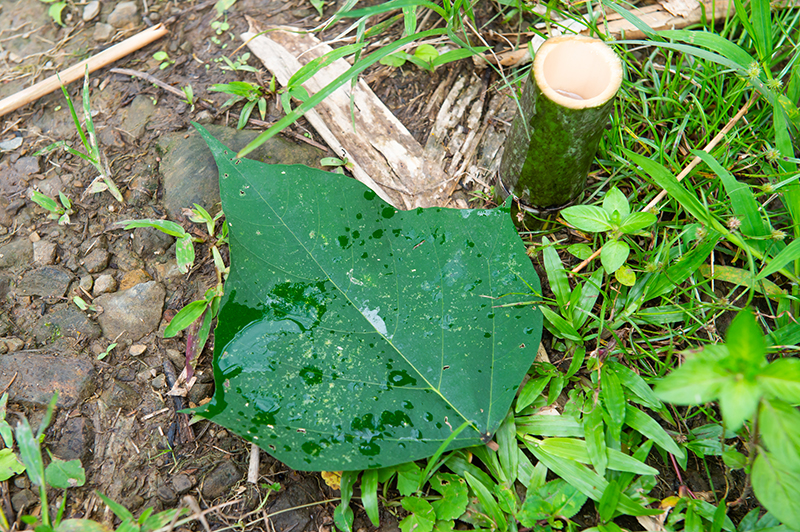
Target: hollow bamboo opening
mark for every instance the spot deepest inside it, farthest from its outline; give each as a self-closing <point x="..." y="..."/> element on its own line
<point x="577" y="72"/>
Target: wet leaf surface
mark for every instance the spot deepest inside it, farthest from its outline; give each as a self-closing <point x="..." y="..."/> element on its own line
<point x="353" y="335"/>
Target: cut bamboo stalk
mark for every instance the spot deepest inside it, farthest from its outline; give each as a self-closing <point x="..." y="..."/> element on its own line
<point x="564" y="108"/>
<point x="106" y="57"/>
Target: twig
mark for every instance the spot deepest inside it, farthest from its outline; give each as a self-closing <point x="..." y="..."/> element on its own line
<point x="106" y="57"/>
<point x="198" y="514"/>
<point x="710" y="146"/>
<point x="151" y="79"/>
<point x="252" y="470"/>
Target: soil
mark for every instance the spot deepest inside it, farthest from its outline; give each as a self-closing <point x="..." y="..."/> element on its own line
<point x="111" y="362"/>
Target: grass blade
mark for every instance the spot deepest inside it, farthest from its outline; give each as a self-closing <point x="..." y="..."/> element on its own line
<point x="596" y="440"/>
<point x="789" y="254"/>
<point x="678" y="272"/>
<point x="649" y="428"/>
<point x="369" y="495"/>
<point x="508" y="453"/>
<point x="91" y="146"/>
<point x="613" y="400"/>
<point x="573" y="449"/>
<point x="743" y="203"/>
<point x="556" y="275"/>
<point x="586" y="481"/>
<point x="741" y="277"/>
<point x="350" y="74"/>
<point x="564" y="426"/>
<point x="666" y="180"/>
<point x="712" y="41"/>
<point x="762" y="28"/>
<point x="591" y="289"/>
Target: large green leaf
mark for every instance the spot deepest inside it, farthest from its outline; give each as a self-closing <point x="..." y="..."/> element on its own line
<point x="353" y="335"/>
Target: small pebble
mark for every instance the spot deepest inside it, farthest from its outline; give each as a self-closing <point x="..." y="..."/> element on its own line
<point x="104" y="284"/>
<point x="138" y="349"/>
<point x="159" y="382"/>
<point x="91" y="10"/>
<point x="102" y="32"/>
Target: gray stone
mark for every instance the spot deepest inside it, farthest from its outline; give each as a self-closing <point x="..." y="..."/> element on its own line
<point x="102" y="32"/>
<point x="104" y="284"/>
<point x="44" y="253"/>
<point x="220" y="480"/>
<point x="65" y="320"/>
<point x="23" y="499"/>
<point x="86" y="282"/>
<point x="121" y="395"/>
<point x="200" y="391"/>
<point x="148" y="242"/>
<point x="177" y="358"/>
<point x="125" y="374"/>
<point x="51" y="186"/>
<point x="91" y="10"/>
<point x="160" y="381"/>
<point x="292" y="505"/>
<point x="16" y="254"/>
<point x="12" y="343"/>
<point x="182" y="483"/>
<point x="125" y="259"/>
<point x="27" y="166"/>
<point x="166" y="494"/>
<point x="140" y="111"/>
<point x="167" y="270"/>
<point x="124" y="15"/>
<point x="96" y="260"/>
<point x="47" y="281"/>
<point x="11" y="144"/>
<point x="190" y="175"/>
<point x="132" y="313"/>
<point x="75" y="441"/>
<point x="204" y="117"/>
<point x="39" y="375"/>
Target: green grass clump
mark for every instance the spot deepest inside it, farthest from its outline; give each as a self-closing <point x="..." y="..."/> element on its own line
<point x="720" y="102"/>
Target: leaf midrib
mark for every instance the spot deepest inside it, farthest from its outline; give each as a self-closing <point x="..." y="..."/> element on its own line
<point x="350" y="301"/>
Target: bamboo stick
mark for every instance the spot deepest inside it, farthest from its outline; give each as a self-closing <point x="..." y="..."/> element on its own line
<point x="106" y="57"/>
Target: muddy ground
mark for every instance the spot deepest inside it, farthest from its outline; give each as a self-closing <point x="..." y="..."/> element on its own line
<point x="113" y="412"/>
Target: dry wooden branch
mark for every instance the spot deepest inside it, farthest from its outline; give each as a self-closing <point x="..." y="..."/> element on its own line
<point x="385" y="156"/>
<point x="106" y="57"/>
<point x="657" y="16"/>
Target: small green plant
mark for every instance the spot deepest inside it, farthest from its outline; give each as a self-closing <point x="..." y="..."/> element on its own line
<point x="339" y="165"/>
<point x="107" y="352"/>
<point x="188" y="94"/>
<point x="55" y="10"/>
<point x="747" y="387"/>
<point x="59" y="474"/>
<point x="427" y="57"/>
<point x="239" y="64"/>
<point x="147" y="520"/>
<point x="93" y="154"/>
<point x="319" y="5"/>
<point x="242" y="90"/>
<point x="197" y="316"/>
<point x="617" y="221"/>
<point x="83" y="305"/>
<point x="58" y="211"/>
<point x="184" y="248"/>
<point x="163" y="57"/>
